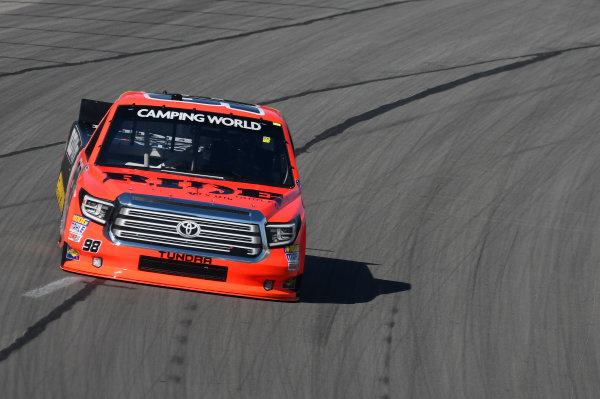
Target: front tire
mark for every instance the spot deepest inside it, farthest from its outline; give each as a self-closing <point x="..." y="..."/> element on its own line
<point x="63" y="254"/>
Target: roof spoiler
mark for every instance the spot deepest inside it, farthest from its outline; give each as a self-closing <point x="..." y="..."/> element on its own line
<point x="91" y="112"/>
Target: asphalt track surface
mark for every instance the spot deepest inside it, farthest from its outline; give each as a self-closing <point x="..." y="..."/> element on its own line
<point x="450" y="160"/>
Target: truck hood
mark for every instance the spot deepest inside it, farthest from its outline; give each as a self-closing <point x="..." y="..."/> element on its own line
<point x="109" y="183"/>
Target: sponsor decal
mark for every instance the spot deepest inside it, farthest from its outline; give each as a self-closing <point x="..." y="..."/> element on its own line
<point x="126" y="177"/>
<point x="90" y="245"/>
<point x="197" y="188"/>
<point x="215" y="188"/>
<point x="292" y="254"/>
<point x="226" y="121"/>
<point x="73" y="146"/>
<point x="293" y="260"/>
<point x="169" y="183"/>
<point x="78" y="226"/>
<point x="290" y="283"/>
<point x="266" y="139"/>
<point x="75" y="237"/>
<point x="81" y="220"/>
<point x="196" y="117"/>
<point x="277" y="124"/>
<point x="162" y="114"/>
<point x="292" y="248"/>
<point x="60" y="193"/>
<point x="72" y="253"/>
<point x="185" y="258"/>
<point x="246" y="192"/>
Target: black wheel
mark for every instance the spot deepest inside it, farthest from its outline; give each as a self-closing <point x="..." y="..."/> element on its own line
<point x="298" y="285"/>
<point x="63" y="254"/>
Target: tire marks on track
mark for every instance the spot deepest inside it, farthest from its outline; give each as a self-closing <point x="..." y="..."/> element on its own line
<point x="28" y="59"/>
<point x="39" y="327"/>
<point x="118" y="20"/>
<point x="37" y="147"/>
<point x="283" y="4"/>
<point x="150" y="9"/>
<point x="27" y="202"/>
<point x="176" y="368"/>
<point x="37" y="29"/>
<point x="208" y="41"/>
<point x="386" y="78"/>
<point x="387" y="359"/>
<point x="61" y="47"/>
<point x="348" y="123"/>
<point x="373" y="113"/>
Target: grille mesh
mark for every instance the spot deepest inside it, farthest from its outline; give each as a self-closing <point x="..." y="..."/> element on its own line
<point x="159" y="228"/>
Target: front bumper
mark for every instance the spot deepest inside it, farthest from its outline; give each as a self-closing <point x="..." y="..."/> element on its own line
<point x="120" y="262"/>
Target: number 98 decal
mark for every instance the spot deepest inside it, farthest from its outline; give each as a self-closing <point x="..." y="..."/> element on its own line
<point x="90" y="245"/>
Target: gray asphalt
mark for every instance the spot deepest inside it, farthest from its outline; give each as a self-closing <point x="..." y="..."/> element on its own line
<point x="449" y="156"/>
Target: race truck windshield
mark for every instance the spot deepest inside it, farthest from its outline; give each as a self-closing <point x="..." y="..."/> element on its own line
<point x="191" y="142"/>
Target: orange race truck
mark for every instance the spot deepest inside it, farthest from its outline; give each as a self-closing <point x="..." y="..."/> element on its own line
<point x="183" y="191"/>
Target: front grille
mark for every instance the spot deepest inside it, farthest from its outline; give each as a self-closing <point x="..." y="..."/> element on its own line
<point x="159" y="229"/>
<point x="185" y="269"/>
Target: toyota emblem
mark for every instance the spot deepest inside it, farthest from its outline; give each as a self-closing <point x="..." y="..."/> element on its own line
<point x="188" y="229"/>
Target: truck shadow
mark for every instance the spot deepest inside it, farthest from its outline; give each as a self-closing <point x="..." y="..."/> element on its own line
<point x="328" y="280"/>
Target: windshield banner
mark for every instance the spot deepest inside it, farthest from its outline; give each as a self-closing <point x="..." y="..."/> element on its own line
<point x="196" y="117"/>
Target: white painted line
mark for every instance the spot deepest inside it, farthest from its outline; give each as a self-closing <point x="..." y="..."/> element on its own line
<point x="51" y="287"/>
